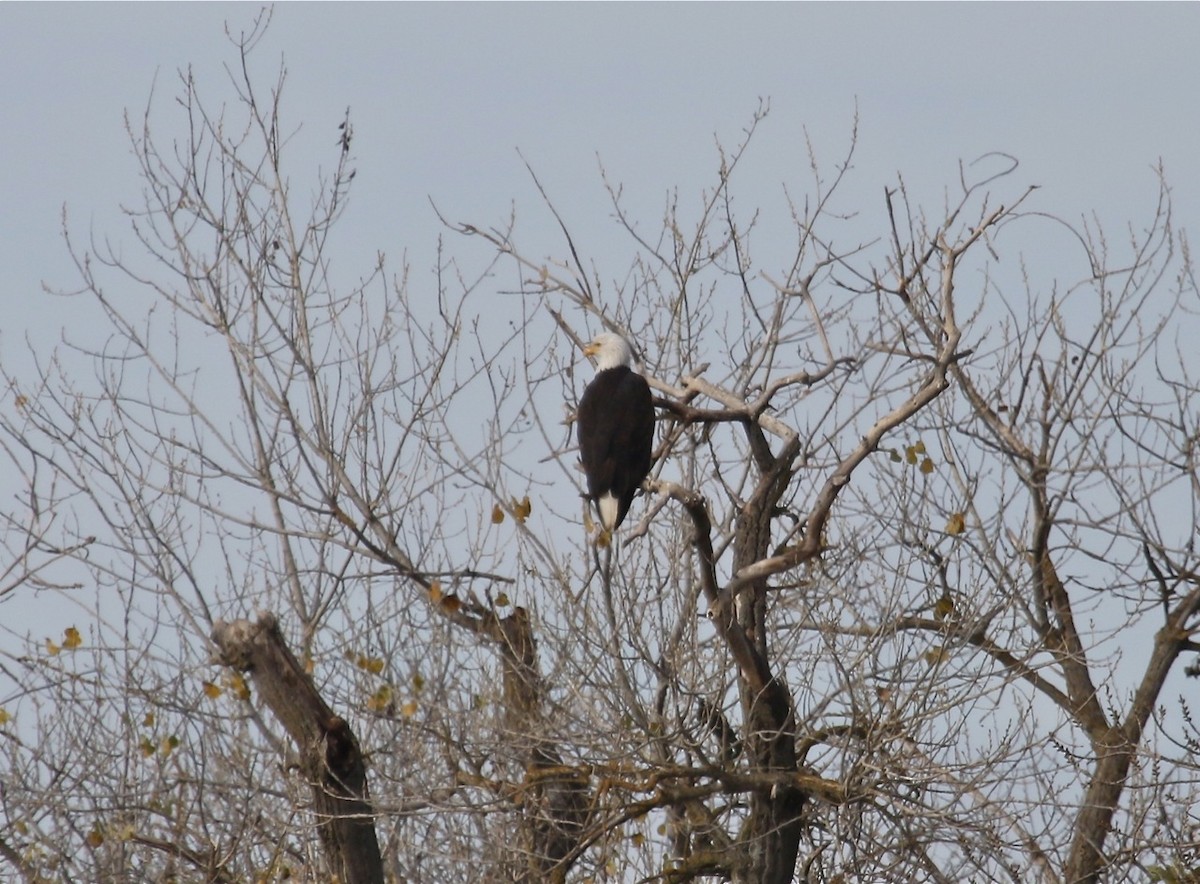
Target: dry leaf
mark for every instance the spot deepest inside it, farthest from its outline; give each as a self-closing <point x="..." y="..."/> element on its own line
<point x="373" y="665"/>
<point x="380" y="700"/>
<point x="957" y="524"/>
<point x="238" y="685"/>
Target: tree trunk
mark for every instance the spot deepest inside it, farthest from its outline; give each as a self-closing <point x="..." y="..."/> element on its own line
<point x="770" y="839"/>
<point x="556" y="797"/>
<point x="330" y="758"/>
<point x="1095" y="819"/>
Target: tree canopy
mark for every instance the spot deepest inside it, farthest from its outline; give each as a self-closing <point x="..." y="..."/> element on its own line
<point x="910" y="593"/>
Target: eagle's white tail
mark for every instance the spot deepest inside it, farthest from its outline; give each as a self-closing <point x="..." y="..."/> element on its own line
<point x="609" y="507"/>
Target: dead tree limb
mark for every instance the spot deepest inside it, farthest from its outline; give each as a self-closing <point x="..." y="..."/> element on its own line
<point x="330" y="758"/>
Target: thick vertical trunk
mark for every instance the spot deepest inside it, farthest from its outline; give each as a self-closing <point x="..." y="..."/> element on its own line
<point x="556" y="797"/>
<point x="770" y="839"/>
<point x="1094" y="822"/>
<point x="330" y="757"/>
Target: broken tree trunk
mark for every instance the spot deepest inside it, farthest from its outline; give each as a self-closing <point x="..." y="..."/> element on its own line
<point x="330" y="759"/>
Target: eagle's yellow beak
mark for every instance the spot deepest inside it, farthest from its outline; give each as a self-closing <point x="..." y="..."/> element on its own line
<point x="591" y="349"/>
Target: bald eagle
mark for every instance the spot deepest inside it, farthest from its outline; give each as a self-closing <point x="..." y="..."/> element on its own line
<point x="615" y="426"/>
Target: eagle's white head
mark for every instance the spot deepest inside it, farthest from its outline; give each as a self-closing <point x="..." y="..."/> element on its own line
<point x="609" y="351"/>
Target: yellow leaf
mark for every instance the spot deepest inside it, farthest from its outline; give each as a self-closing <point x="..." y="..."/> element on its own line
<point x="497" y="515"/>
<point x="934" y="656"/>
<point x="5" y="718"/>
<point x="451" y="603"/>
<point x="418" y="681"/>
<point x="943" y="608"/>
<point x="94" y="838"/>
<point x="435" y="592"/>
<point x="895" y="456"/>
<point x="309" y="665"/>
<point x="926" y="466"/>
<point x="169" y="744"/>
<point x="148" y="720"/>
<point x="21" y="401"/>
<point x="146" y="746"/>
<point x="637" y="838"/>
<point x="373" y="665"/>
<point x="522" y="508"/>
<point x="502" y="600"/>
<point x="409" y="709"/>
<point x="238" y="685"/>
<point x="71" y="638"/>
<point x="381" y="699"/>
<point x="211" y="690"/>
<point x="51" y="648"/>
<point x="919" y="448"/>
<point x="957" y="524"/>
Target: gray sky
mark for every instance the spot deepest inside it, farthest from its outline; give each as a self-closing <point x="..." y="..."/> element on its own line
<point x="1087" y="97"/>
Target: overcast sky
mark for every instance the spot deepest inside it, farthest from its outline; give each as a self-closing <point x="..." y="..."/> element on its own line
<point x="1088" y="97"/>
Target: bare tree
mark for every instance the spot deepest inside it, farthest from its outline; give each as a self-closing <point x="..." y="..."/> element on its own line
<point x="905" y="598"/>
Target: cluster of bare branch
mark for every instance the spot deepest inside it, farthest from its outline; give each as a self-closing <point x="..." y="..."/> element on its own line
<point x="908" y="598"/>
